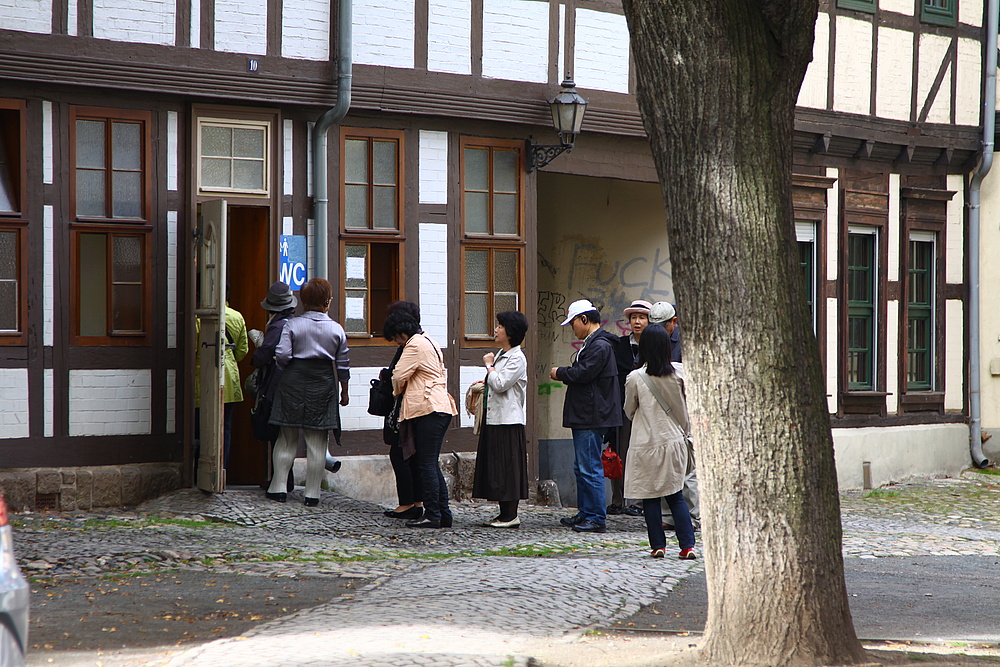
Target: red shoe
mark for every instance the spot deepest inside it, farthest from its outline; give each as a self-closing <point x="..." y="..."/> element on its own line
<point x="658" y="553"/>
<point x="688" y="554"/>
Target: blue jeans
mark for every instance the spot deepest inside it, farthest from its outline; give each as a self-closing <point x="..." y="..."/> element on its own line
<point x="428" y="434"/>
<point x="682" y="521"/>
<point x="589" y="473"/>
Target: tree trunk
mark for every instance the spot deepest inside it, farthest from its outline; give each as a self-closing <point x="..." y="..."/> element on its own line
<point x="717" y="85"/>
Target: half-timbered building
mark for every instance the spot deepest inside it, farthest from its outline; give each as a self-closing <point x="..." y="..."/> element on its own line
<point x="121" y="119"/>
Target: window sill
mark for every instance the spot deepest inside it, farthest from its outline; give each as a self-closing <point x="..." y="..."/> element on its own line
<point x="922" y="401"/>
<point x="863" y="402"/>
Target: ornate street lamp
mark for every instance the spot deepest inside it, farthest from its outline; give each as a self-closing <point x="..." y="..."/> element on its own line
<point x="568" y="108"/>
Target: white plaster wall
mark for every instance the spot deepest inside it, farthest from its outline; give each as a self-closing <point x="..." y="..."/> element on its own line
<point x="898" y="453"/>
<point x="48" y="276"/>
<point x="832" y="224"/>
<point x="933" y="49"/>
<point x="289" y="155"/>
<point x="954" y="252"/>
<point x="195" y="24"/>
<point x="894" y="74"/>
<point x="71" y="19"/>
<point x="47" y="142"/>
<point x="383" y="33"/>
<point x="971" y="12"/>
<point x="969" y="83"/>
<point x="48" y="393"/>
<point x="433" y="283"/>
<point x="469" y="374"/>
<point x="368" y="478"/>
<point x="172" y="279"/>
<point x="172" y="151"/>
<point x="989" y="325"/>
<point x="898" y="6"/>
<point x="515" y="39"/>
<point x="13" y="403"/>
<point x="311" y="248"/>
<point x="241" y="26"/>
<point x="602" y="51"/>
<point x="561" y="65"/>
<point x="853" y="64"/>
<point x="813" y="91"/>
<point x="449" y="36"/>
<point x="26" y="15"/>
<point x="433" y="182"/>
<point x="109" y="402"/>
<point x="831" y="355"/>
<point x="146" y="21"/>
<point x="286" y="225"/>
<point x="171" y="426"/>
<point x="354" y="416"/>
<point x="954" y="354"/>
<point x="892" y="267"/>
<point x="892" y="356"/>
<point x="305" y="29"/>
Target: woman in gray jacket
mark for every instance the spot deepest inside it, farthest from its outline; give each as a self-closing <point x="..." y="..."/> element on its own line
<point x="501" y="460"/>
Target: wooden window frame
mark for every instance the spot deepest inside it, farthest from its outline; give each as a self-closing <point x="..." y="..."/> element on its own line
<point x="868" y="6"/>
<point x="266" y="124"/>
<point x="141" y="227"/>
<point x="870" y="306"/>
<point x="492" y="242"/>
<point x="15" y="221"/>
<point x="938" y="16"/>
<point x="370" y="235"/>
<point x="370" y="135"/>
<point x="914" y="311"/>
<point x="806" y="232"/>
<point x="923" y="210"/>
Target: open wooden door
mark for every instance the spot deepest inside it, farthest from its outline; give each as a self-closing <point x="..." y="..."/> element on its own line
<point x="211" y="315"/>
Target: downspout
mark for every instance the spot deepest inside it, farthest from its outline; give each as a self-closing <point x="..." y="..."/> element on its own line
<point x="330" y="118"/>
<point x="975" y="185"/>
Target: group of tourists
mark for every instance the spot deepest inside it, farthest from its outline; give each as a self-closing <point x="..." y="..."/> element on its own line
<point x="625" y="393"/>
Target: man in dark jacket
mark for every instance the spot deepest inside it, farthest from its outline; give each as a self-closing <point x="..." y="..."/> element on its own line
<point x="593" y="405"/>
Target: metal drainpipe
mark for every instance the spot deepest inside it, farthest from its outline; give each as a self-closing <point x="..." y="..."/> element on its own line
<point x="989" y="127"/>
<point x="330" y="118"/>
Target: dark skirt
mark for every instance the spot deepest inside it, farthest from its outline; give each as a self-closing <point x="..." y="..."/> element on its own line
<point x="307" y="396"/>
<point x="501" y="464"/>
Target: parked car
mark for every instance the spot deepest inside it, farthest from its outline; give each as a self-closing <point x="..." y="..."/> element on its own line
<point x="14" y="597"/>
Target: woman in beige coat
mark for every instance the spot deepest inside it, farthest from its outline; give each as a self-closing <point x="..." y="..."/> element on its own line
<point x="658" y="452"/>
<point x="425" y="411"/>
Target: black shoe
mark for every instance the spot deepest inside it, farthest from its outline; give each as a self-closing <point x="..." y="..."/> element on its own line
<point x="332" y="465"/>
<point x="590" y="527"/>
<point x="633" y="510"/>
<point x="615" y="509"/>
<point x="414" y="512"/>
<point x="446" y="520"/>
<point x="277" y="497"/>
<point x="425" y="523"/>
<point x="571" y="520"/>
<point x="311" y="502"/>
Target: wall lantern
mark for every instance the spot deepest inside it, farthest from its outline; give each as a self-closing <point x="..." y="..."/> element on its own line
<point x="568" y="108"/>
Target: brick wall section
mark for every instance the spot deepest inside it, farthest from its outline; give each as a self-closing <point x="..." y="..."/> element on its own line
<point x="27" y="15"/>
<point x="602" y="51"/>
<point x="13" y="403"/>
<point x="954" y="252"/>
<point x="383" y="33"/>
<point x="305" y="29"/>
<point x="894" y="74"/>
<point x="434" y="281"/>
<point x="48" y="276"/>
<point x="147" y="22"/>
<point x="449" y="36"/>
<point x="171" y="426"/>
<point x="969" y="77"/>
<point x="852" y="78"/>
<point x="515" y="39"/>
<point x="813" y="91"/>
<point x="109" y="402"/>
<point x="171" y="279"/>
<point x="469" y="375"/>
<point x="355" y="417"/>
<point x="954" y="354"/>
<point x="433" y="167"/>
<point x="241" y="26"/>
<point x="932" y="51"/>
<point x="49" y="415"/>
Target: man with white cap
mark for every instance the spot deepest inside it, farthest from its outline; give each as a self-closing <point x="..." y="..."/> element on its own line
<point x="593" y="405"/>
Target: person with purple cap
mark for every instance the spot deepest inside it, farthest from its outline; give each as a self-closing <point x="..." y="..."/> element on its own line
<point x="593" y="405"/>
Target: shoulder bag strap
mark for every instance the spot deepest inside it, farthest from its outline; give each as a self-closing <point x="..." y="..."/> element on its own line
<point x="659" y="399"/>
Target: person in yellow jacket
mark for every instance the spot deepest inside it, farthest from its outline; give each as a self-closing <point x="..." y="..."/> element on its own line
<point x="236" y="348"/>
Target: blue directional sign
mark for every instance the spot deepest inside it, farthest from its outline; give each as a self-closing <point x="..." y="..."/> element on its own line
<point x="292" y="269"/>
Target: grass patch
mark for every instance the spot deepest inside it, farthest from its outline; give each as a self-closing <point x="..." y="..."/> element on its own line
<point x="986" y="471"/>
<point x="919" y="657"/>
<point x="881" y="494"/>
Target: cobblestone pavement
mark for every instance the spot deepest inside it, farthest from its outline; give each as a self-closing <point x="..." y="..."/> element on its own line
<point x="463" y="596"/>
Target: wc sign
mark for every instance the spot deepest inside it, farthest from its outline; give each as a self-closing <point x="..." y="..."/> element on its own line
<point x="292" y="269"/>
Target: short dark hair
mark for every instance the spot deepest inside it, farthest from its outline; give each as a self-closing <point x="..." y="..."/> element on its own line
<point x="316" y="294"/>
<point x="399" y="322"/>
<point x="515" y="324"/>
<point x="654" y="351"/>
<point x="412" y="309"/>
<point x="592" y="315"/>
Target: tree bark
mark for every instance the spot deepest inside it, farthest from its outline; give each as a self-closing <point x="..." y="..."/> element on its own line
<point x="717" y="85"/>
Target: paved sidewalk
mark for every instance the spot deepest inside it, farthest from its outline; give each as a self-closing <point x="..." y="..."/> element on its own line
<point x="462" y="596"/>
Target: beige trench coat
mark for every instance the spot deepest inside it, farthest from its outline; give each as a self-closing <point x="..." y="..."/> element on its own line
<point x="658" y="455"/>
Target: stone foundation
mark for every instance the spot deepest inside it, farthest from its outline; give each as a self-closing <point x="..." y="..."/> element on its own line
<point x="70" y="489"/>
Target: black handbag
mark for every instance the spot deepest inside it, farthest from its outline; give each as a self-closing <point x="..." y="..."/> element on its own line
<point x="380" y="398"/>
<point x="259" y="416"/>
<point x="390" y="428"/>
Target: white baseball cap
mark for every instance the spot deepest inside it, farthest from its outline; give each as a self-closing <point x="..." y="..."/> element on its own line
<point x="661" y="312"/>
<point x="576" y="309"/>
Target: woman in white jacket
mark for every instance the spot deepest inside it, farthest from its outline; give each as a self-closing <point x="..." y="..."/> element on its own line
<point x="658" y="451"/>
<point x="501" y="459"/>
